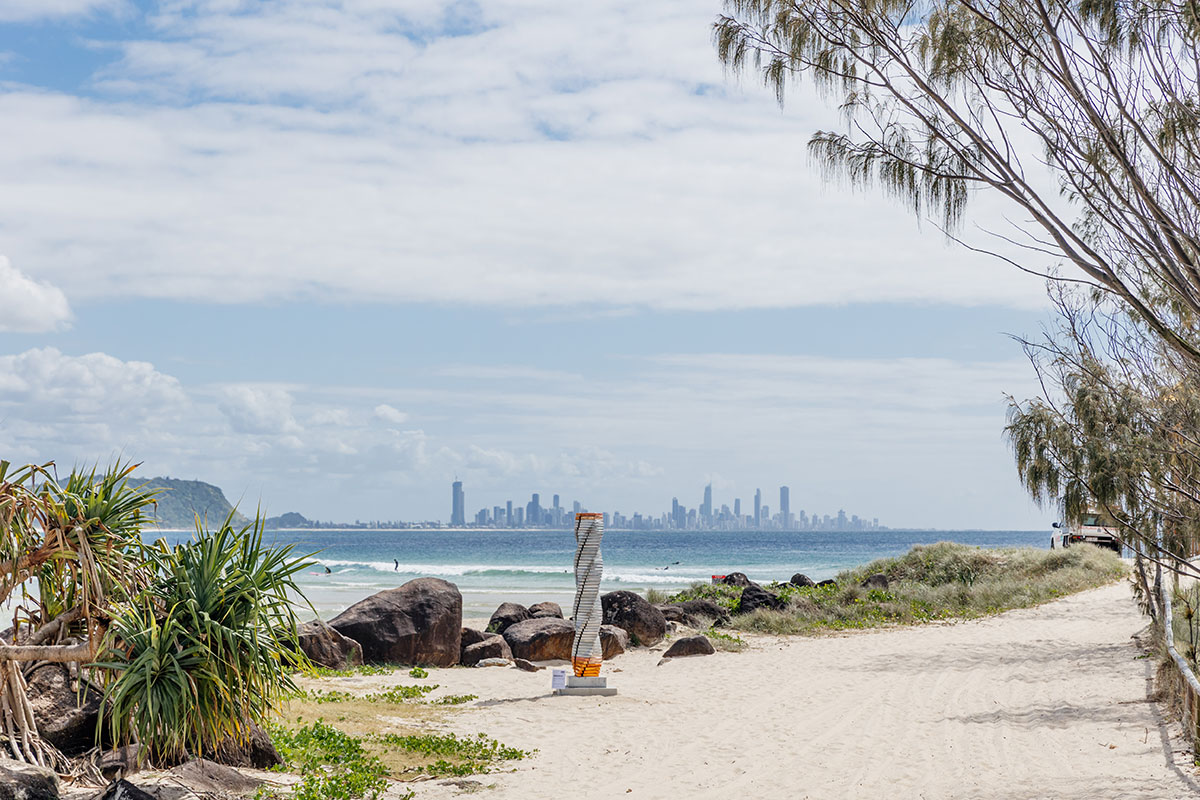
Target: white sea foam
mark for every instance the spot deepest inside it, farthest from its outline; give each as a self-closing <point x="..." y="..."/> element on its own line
<point x="643" y="575"/>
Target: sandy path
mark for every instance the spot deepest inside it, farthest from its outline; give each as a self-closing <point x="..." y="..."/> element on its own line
<point x="1045" y="702"/>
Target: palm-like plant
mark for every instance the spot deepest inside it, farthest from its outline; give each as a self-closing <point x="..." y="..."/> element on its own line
<point x="207" y="648"/>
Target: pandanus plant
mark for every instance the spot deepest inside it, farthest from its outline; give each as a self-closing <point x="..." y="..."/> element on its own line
<point x="193" y="643"/>
<point x="68" y="551"/>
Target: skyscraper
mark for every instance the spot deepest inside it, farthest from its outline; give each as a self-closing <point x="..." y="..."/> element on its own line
<point x="533" y="511"/>
<point x="458" y="508"/>
<point x="758" y="508"/>
<point x="737" y="509"/>
<point x="508" y="517"/>
<point x="785" y="508"/>
<point x="706" y="507"/>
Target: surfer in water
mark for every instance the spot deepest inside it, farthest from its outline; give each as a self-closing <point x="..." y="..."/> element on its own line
<point x="397" y="564"/>
<point x="328" y="570"/>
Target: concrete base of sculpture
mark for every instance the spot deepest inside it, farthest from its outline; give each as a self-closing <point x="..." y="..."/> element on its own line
<point x="586" y="687"/>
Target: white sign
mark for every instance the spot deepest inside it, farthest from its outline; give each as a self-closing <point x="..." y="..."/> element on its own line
<point x="558" y="679"/>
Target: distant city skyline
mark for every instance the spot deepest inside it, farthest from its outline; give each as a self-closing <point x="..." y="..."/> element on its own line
<point x="680" y="516"/>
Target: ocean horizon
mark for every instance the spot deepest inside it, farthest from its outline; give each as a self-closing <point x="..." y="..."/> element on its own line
<point x="526" y="566"/>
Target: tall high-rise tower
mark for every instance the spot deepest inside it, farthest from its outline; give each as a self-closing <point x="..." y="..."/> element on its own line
<point x="458" y="509"/>
<point x="706" y="508"/>
<point x="533" y="511"/>
<point x="785" y="508"/>
<point x="758" y="508"/>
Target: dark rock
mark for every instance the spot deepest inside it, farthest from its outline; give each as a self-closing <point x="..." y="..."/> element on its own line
<point x="527" y="666"/>
<point x="541" y="639"/>
<point x="492" y="647"/>
<point x="120" y="762"/>
<point x="613" y="640"/>
<point x="695" y="613"/>
<point x="253" y="748"/>
<point x="736" y="579"/>
<point x="827" y="582"/>
<point x="208" y="778"/>
<point x="20" y="781"/>
<point x="631" y="612"/>
<point x="64" y="718"/>
<point x="471" y="636"/>
<point x="690" y="646"/>
<point x="755" y="597"/>
<point x="876" y="581"/>
<point x="418" y="623"/>
<point x="800" y="579"/>
<point x="327" y="647"/>
<point x="507" y="614"/>
<point x="121" y="790"/>
<point x="547" y="609"/>
<point x="672" y="612"/>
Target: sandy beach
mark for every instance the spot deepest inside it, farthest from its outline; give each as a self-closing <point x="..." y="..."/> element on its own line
<point x="1043" y="702"/>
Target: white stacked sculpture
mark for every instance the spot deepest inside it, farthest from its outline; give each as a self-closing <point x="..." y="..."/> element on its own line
<point x="587" y="653"/>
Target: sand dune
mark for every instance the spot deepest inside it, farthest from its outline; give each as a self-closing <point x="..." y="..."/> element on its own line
<point x="1047" y="702"/>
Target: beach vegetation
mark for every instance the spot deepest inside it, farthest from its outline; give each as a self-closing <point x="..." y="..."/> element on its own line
<point x="193" y="645"/>
<point x="207" y="648"/>
<point x="725" y="641"/>
<point x="657" y="596"/>
<point x="333" y="765"/>
<point x="318" y="671"/>
<point x="396" y="694"/>
<point x="929" y="583"/>
<point x="418" y="672"/>
<point x="455" y="699"/>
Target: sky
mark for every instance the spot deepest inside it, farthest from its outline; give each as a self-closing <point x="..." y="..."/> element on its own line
<point x="330" y="255"/>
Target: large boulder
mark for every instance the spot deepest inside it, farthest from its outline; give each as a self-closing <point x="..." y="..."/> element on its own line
<point x="418" y="623"/>
<point x="507" y="614"/>
<point x="546" y="609"/>
<point x="690" y="646"/>
<point x="325" y="646"/>
<point x="827" y="582"/>
<point x="800" y="579"/>
<point x="876" y="581"/>
<point x="631" y="612"/>
<point x="541" y="639"/>
<point x="736" y="579"/>
<point x="492" y="647"/>
<point x="613" y="641"/>
<point x="66" y="718"/>
<point x="695" y="613"/>
<point x="20" y="781"/>
<point x="755" y="597"/>
<point x="253" y="748"/>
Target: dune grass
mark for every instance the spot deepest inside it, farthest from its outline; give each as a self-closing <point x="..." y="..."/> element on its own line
<point x="348" y="746"/>
<point x="930" y="582"/>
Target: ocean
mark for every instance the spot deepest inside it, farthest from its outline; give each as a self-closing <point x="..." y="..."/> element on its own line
<point x="530" y="566"/>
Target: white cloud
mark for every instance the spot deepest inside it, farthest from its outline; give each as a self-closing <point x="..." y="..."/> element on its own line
<point x="534" y="154"/>
<point x="914" y="441"/>
<point x="26" y="10"/>
<point x="389" y="414"/>
<point x="27" y="306"/>
<point x="259" y="409"/>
